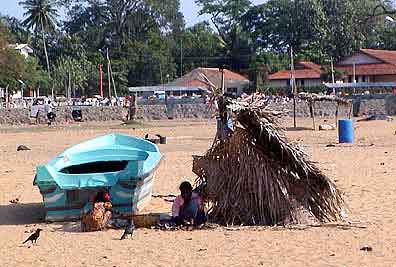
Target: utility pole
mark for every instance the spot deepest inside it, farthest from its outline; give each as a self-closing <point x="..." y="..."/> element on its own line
<point x="108" y="71"/>
<point x="354" y="72"/>
<point x="222" y="81"/>
<point x="7" y="97"/>
<point x="100" y="80"/>
<point x="69" y="85"/>
<point x="112" y="80"/>
<point x="293" y="87"/>
<point x="181" y="57"/>
<point x="332" y="71"/>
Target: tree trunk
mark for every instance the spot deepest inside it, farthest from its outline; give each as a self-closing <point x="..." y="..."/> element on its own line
<point x="45" y="48"/>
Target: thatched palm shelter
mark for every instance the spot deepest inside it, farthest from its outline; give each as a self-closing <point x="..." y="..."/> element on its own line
<point x="313" y="98"/>
<point x="256" y="177"/>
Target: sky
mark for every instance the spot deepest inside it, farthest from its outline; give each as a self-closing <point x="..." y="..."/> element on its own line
<point x="188" y="8"/>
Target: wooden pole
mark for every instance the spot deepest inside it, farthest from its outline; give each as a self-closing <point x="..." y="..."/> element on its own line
<point x="313" y="116"/>
<point x="332" y="71"/>
<point x="112" y="80"/>
<point x="294" y="91"/>
<point x="100" y="80"/>
<point x="181" y="57"/>
<point x="336" y="115"/>
<point x="6" y="97"/>
<point x="222" y="81"/>
<point x="108" y="72"/>
<point x="69" y="86"/>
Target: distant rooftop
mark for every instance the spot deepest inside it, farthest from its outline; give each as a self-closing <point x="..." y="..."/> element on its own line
<point x="166" y="88"/>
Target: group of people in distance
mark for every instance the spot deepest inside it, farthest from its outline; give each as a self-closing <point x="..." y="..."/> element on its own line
<point x="187" y="210"/>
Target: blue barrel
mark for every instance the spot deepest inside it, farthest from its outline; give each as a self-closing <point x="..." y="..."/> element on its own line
<point x="345" y="131"/>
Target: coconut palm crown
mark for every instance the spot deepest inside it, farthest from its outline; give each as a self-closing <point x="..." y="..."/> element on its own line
<point x="40" y="16"/>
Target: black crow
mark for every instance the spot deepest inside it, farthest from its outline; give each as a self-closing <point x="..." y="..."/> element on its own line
<point x="128" y="230"/>
<point x="34" y="236"/>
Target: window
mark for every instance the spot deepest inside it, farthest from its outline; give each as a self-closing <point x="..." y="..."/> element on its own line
<point x="349" y="79"/>
<point x="234" y="91"/>
<point x="302" y="83"/>
<point x="363" y="78"/>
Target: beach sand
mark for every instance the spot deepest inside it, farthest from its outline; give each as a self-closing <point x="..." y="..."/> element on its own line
<point x="365" y="172"/>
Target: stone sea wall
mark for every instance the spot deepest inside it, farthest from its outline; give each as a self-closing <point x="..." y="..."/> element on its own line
<point x="362" y="105"/>
<point x="19" y="116"/>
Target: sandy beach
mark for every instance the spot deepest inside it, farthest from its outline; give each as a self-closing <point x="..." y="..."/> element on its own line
<point x="364" y="171"/>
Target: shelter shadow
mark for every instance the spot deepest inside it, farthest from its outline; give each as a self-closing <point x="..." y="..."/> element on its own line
<point x="22" y="213"/>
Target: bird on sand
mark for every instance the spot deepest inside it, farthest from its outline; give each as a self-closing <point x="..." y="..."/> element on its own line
<point x="22" y="148"/>
<point x="14" y="201"/>
<point x="34" y="236"/>
<point x="128" y="230"/>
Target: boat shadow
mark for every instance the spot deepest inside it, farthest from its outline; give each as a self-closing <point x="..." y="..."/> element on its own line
<point x="22" y="213"/>
<point x="68" y="227"/>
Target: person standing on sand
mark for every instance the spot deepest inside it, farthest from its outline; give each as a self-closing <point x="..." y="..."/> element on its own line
<point x="48" y="108"/>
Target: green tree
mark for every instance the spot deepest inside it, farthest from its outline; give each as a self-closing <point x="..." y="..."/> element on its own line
<point x="74" y="74"/>
<point x="16" y="29"/>
<point x="11" y="63"/>
<point x="226" y="16"/>
<point x="280" y="24"/>
<point x="201" y="47"/>
<point x="40" y="17"/>
<point x="34" y="76"/>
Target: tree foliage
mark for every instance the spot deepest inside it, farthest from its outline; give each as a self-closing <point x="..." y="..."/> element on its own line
<point x="149" y="44"/>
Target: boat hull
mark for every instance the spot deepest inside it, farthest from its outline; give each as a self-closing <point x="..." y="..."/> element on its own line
<point x="67" y="196"/>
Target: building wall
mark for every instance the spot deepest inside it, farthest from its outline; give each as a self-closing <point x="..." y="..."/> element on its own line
<point x="384" y="78"/>
<point x="358" y="58"/>
<point x="285" y="83"/>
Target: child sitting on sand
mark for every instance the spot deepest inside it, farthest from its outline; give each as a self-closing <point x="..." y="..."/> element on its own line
<point x="187" y="209"/>
<point x="99" y="217"/>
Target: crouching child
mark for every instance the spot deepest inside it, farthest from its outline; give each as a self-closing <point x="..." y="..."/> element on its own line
<point x="188" y="208"/>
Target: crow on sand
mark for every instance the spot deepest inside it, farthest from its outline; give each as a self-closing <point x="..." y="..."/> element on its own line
<point x="34" y="236"/>
<point x="128" y="230"/>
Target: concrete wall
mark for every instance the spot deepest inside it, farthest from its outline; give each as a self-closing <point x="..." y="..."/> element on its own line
<point x="285" y="83"/>
<point x="321" y="109"/>
<point x="384" y="78"/>
<point x="145" y="112"/>
<point x="278" y="84"/>
<point x="363" y="105"/>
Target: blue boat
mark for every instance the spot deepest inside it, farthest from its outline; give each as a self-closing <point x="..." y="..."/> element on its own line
<point x="122" y="165"/>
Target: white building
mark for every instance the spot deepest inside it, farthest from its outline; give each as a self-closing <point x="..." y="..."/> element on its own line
<point x="23" y="49"/>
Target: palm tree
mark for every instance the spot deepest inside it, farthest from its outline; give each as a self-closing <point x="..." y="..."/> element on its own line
<point x="40" y="17"/>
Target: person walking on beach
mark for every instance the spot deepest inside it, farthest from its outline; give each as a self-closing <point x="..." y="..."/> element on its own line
<point x="48" y="108"/>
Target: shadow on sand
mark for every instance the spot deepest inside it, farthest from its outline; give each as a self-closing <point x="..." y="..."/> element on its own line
<point x="22" y="213"/>
<point x="68" y="227"/>
<point x="292" y="129"/>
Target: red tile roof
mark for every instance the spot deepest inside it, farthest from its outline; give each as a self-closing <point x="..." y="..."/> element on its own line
<point x="386" y="56"/>
<point x="310" y="65"/>
<point x="195" y="78"/>
<point x="310" y="71"/>
<point x="228" y="75"/>
<point x="369" y="69"/>
<point x="191" y="83"/>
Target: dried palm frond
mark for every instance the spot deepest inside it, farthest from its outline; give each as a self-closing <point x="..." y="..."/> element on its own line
<point x="257" y="177"/>
<point x="310" y="97"/>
